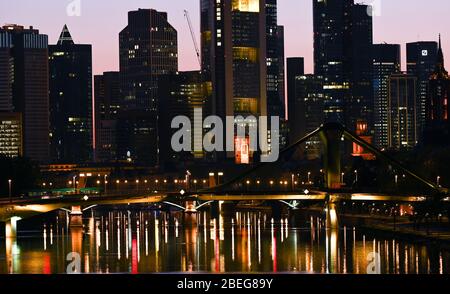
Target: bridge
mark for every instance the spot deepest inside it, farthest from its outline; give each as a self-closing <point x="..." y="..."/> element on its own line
<point x="333" y="192"/>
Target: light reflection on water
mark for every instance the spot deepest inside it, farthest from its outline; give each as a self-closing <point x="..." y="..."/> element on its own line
<point x="147" y="242"/>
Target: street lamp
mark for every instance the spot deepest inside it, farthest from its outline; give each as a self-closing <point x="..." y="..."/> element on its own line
<point x="106" y="183"/>
<point x="438" y="180"/>
<point x="10" y="194"/>
<point x="219" y="174"/>
<point x="342" y="179"/>
<point x="309" y="177"/>
<point x="356" y="176"/>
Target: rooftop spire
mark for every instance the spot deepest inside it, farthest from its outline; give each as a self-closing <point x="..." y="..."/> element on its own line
<point x="65" y="38"/>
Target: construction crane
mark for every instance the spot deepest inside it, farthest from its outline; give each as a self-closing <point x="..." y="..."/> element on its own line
<point x="194" y="39"/>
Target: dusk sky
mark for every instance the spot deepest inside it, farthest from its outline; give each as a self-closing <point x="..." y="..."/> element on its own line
<point x="100" y="22"/>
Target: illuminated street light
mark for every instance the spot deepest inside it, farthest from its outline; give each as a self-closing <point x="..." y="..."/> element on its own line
<point x="438" y="179"/>
<point x="356" y="176"/>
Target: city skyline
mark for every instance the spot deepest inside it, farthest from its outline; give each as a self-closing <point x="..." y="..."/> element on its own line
<point x="296" y="16"/>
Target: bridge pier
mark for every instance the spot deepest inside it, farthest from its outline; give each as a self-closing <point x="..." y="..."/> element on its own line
<point x="190" y="207"/>
<point x="331" y="139"/>
<point x="76" y="216"/>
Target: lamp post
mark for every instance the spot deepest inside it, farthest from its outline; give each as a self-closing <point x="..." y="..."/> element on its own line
<point x="309" y="177"/>
<point x="219" y="174"/>
<point x="438" y="180"/>
<point x="10" y="194"/>
<point x="356" y="176"/>
<point x="293" y="182"/>
<point x="106" y="182"/>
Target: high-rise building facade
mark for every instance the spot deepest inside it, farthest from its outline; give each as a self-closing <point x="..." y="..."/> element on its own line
<point x="24" y="87"/>
<point x="386" y="61"/>
<point x="360" y="107"/>
<point x="437" y="131"/>
<point x="308" y="107"/>
<point x="107" y="107"/>
<point x="71" y="114"/>
<point x="275" y="60"/>
<point x="295" y="68"/>
<point x="403" y="131"/>
<point x="148" y="49"/>
<point x="332" y="52"/>
<point x="181" y="94"/>
<point x="236" y="28"/>
<point x="342" y="55"/>
<point x="11" y="139"/>
<point x="421" y="61"/>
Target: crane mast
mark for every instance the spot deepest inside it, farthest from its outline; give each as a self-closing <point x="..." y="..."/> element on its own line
<point x="194" y="39"/>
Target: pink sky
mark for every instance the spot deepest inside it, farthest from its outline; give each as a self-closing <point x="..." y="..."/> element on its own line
<point x="400" y="21"/>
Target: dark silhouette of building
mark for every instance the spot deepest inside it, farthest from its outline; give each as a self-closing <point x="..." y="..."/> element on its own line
<point x="24" y="86"/>
<point x="181" y="94"/>
<point x="386" y="61"/>
<point x="403" y="131"/>
<point x="148" y="49"/>
<point x="295" y="68"/>
<point x="107" y="107"/>
<point x="361" y="104"/>
<point x="342" y="55"/>
<point x="71" y="114"/>
<point x="421" y="62"/>
<point x="308" y="111"/>
<point x="437" y="118"/>
<point x="275" y="60"/>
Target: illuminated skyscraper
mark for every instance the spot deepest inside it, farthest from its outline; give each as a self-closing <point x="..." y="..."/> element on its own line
<point x="236" y="28"/>
<point x="24" y="87"/>
<point x="342" y="55"/>
<point x="386" y="61"/>
<point x="421" y="62"/>
<point x="403" y="132"/>
<point x="148" y="49"/>
<point x="107" y="107"/>
<point x="71" y="114"/>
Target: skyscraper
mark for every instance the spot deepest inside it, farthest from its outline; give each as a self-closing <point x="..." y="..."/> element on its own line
<point x="295" y="68"/>
<point x="421" y="62"/>
<point x="70" y="100"/>
<point x="107" y="107"/>
<point x="308" y="107"/>
<point x="236" y="28"/>
<point x="275" y="58"/>
<point x="437" y="109"/>
<point x="24" y="87"/>
<point x="360" y="107"/>
<point x="403" y="132"/>
<point x="148" y="49"/>
<point x="342" y="55"/>
<point x="181" y="94"/>
<point x="386" y="61"/>
<point x="332" y="52"/>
